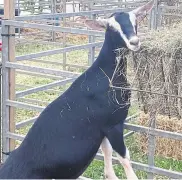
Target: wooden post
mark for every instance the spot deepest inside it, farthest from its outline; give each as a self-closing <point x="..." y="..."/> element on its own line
<point x="9" y="13"/>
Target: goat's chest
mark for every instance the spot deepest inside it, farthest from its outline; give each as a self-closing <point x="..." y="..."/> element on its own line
<point x="119" y="103"/>
<point x="119" y="98"/>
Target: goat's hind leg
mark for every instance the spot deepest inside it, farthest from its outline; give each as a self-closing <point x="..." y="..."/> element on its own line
<point x="107" y="152"/>
<point x="115" y="137"/>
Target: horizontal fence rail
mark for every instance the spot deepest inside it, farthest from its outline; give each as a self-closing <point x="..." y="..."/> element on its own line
<point x="61" y="15"/>
<point x="58" y="51"/>
<point x="44" y="87"/>
<point x="62" y="73"/>
<point x="52" y="28"/>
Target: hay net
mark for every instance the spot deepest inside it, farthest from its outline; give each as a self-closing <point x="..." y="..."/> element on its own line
<point x="154" y="76"/>
<point x="155" y="72"/>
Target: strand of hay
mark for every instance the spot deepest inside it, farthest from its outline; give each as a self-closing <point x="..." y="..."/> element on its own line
<point x="165" y="39"/>
<point x="167" y="148"/>
<point x="158" y="68"/>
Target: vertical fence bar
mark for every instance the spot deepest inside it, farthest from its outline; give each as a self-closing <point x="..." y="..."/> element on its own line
<point x="91" y="55"/>
<point x="18" y="7"/>
<point x="74" y="4"/>
<point x="5" y="93"/>
<point x="53" y="11"/>
<point x="84" y="6"/>
<point x="159" y="17"/>
<point x="156" y="12"/>
<point x="64" y="35"/>
<point x="9" y="79"/>
<point x="123" y="1"/>
<point x="151" y="140"/>
<point x="153" y="16"/>
<point x="152" y="111"/>
<point x="92" y="50"/>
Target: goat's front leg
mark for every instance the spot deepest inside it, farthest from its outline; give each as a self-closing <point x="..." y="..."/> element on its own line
<point x="125" y="161"/>
<point x="107" y="152"/>
<point x="115" y="137"/>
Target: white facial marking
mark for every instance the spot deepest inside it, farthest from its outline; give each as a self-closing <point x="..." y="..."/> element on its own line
<point x="132" y="20"/>
<point x="113" y="23"/>
<point x="135" y="38"/>
<point x="116" y="26"/>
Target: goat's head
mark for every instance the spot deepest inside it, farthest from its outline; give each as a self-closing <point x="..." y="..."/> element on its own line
<point x="122" y="27"/>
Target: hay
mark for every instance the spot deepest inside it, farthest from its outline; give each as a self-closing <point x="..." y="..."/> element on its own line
<point x="166" y="39"/>
<point x="158" y="67"/>
<point x="167" y="148"/>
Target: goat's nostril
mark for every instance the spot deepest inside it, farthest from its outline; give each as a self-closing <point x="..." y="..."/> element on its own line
<point x="134" y="41"/>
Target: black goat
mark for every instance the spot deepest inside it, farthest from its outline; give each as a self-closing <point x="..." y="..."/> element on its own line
<point x="68" y="133"/>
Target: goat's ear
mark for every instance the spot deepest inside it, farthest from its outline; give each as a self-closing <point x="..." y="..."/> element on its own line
<point x="143" y="10"/>
<point x="99" y="24"/>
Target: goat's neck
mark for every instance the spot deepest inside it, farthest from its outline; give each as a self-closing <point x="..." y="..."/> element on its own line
<point x="107" y="59"/>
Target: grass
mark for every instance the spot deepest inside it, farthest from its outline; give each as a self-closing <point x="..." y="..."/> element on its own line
<point x="95" y="170"/>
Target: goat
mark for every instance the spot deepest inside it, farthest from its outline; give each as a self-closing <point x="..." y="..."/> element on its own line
<point x="68" y="133"/>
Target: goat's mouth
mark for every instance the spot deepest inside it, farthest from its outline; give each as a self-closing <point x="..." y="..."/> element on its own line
<point x="134" y="43"/>
<point x="134" y="47"/>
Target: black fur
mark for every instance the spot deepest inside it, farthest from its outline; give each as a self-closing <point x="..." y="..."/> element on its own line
<point x="68" y="133"/>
